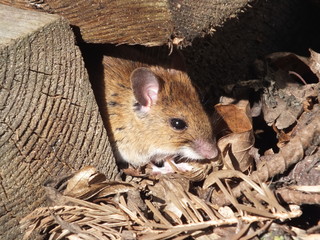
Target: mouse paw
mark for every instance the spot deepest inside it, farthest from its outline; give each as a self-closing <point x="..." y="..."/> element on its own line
<point x="168" y="168"/>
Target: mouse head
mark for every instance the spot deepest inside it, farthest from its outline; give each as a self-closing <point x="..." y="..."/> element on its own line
<point x="167" y="107"/>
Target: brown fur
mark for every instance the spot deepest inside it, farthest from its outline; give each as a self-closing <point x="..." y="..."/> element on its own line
<point x="143" y="133"/>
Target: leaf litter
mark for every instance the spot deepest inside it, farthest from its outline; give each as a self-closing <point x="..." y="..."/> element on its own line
<point x="247" y="193"/>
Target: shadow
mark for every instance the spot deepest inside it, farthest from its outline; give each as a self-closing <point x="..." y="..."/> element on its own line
<point x="226" y="56"/>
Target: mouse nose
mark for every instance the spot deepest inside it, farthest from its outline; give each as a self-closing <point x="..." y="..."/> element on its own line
<point x="206" y="149"/>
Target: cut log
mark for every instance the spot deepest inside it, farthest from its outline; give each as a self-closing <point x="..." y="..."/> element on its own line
<point x="49" y="121"/>
<point x="144" y="22"/>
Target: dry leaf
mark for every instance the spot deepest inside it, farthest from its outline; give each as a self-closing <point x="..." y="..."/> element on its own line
<point x="307" y="133"/>
<point x="235" y="150"/>
<point x="293" y="81"/>
<point x="314" y="63"/>
<point x="88" y="182"/>
<point x="80" y="181"/>
<point x="235" y="146"/>
<point x="235" y="115"/>
<point x="303" y="68"/>
<point x="113" y="187"/>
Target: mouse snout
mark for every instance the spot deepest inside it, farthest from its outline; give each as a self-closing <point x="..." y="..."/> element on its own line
<point x="206" y="149"/>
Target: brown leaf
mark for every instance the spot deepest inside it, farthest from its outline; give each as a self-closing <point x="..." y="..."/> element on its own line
<point x="235" y="146"/>
<point x="236" y="116"/>
<point x="292" y="84"/>
<point x="283" y="137"/>
<point x="135" y="172"/>
<point x="113" y="187"/>
<point x="307" y="132"/>
<point x="314" y="63"/>
<point x="79" y="183"/>
<point x="296" y="65"/>
<point x="298" y="197"/>
<point x="235" y="150"/>
<point x="88" y="182"/>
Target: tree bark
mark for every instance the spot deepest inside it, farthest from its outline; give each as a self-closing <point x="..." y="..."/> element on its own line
<point x="49" y="121"/>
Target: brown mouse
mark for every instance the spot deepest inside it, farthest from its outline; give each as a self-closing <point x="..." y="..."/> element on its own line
<point x="154" y="112"/>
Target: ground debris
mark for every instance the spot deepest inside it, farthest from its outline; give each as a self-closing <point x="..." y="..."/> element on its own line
<point x="159" y="209"/>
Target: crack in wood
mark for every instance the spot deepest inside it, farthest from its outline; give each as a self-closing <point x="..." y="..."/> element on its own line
<point x="40" y="72"/>
<point x="3" y="188"/>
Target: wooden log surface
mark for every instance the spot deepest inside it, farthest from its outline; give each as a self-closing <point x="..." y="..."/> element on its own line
<point x="144" y="22"/>
<point x="49" y="121"/>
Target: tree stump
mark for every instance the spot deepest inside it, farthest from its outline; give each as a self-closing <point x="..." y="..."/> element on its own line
<point x="50" y="124"/>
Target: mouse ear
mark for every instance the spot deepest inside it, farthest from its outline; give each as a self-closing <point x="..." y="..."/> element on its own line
<point x="145" y="86"/>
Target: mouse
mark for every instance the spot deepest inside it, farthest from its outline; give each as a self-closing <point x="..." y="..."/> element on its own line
<point x="154" y="111"/>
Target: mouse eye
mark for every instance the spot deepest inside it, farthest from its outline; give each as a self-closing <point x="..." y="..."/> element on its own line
<point x="178" y="124"/>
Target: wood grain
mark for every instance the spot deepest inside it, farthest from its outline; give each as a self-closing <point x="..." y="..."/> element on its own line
<point x="144" y="22"/>
<point x="49" y="121"/>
